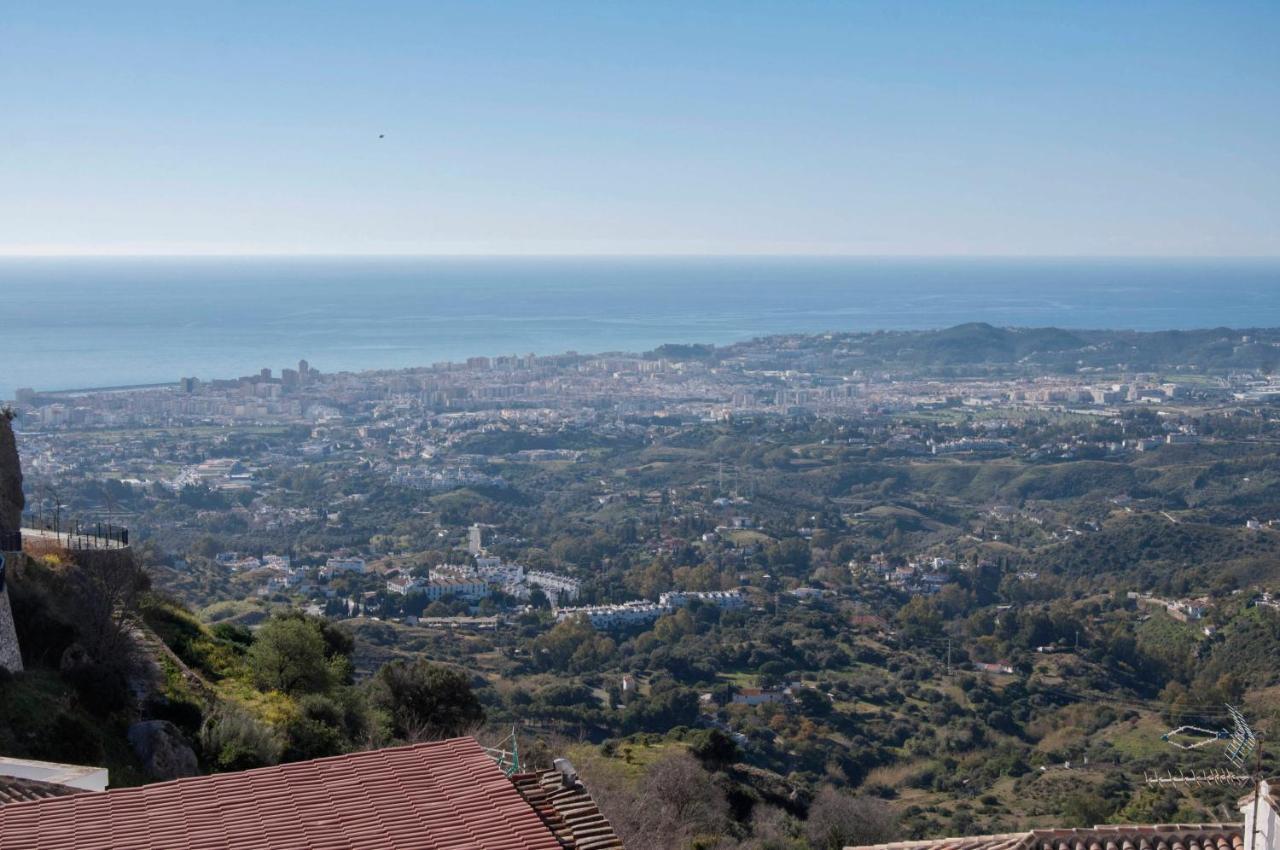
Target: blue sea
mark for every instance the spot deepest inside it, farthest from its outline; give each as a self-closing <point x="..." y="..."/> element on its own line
<point x="75" y="323"/>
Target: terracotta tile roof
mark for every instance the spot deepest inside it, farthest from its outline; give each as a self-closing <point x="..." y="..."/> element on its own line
<point x="14" y="789"/>
<point x="1177" y="836"/>
<point x="445" y="795"/>
<point x="567" y="809"/>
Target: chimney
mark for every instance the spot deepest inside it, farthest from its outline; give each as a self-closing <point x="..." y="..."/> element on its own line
<point x="1261" y="820"/>
<point x="568" y="775"/>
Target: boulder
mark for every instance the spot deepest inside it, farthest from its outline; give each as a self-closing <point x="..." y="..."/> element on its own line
<point x="11" y="499"/>
<point x="163" y="751"/>
<point x="73" y="657"/>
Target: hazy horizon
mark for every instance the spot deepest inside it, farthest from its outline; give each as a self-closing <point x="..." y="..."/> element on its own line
<point x="228" y="316"/>
<point x="745" y="255"/>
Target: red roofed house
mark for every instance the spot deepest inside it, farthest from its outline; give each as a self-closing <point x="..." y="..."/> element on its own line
<point x="1260" y="831"/>
<point x="444" y="795"/>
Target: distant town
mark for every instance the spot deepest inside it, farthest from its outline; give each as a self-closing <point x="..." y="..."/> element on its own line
<point x="901" y="561"/>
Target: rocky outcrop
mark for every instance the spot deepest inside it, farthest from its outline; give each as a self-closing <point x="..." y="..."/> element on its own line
<point x="11" y="501"/>
<point x="164" y="753"/>
<point x="10" y="654"/>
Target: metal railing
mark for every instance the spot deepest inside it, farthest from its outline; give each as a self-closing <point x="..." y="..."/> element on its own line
<point x="75" y="535"/>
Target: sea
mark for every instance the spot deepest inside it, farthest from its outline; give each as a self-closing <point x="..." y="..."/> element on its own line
<point x="73" y="323"/>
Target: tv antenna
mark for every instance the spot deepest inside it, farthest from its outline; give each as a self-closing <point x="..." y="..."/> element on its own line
<point x="1193" y="737"/>
<point x="1198" y="777"/>
<point x="1241" y="743"/>
<point x="1243" y="740"/>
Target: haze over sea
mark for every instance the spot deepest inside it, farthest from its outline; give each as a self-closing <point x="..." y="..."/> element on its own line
<point x="98" y="322"/>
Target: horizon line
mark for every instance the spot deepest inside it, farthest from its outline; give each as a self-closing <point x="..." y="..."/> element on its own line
<point x="618" y="255"/>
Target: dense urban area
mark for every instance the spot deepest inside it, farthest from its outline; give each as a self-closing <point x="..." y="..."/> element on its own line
<point x="804" y="590"/>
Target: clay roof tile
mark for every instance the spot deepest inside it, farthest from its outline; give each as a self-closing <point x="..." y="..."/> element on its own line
<point x="444" y="795"/>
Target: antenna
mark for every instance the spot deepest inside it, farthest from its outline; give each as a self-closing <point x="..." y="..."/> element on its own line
<point x="1241" y="743"/>
<point x="508" y="760"/>
<point x="1192" y="737"/>
<point x="1243" y="739"/>
<point x="1203" y="777"/>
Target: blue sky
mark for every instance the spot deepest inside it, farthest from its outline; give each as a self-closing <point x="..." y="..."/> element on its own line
<point x="1023" y="128"/>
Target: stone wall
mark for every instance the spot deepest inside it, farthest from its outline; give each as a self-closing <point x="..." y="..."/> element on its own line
<point x="10" y="654"/>
<point x="11" y="503"/>
<point x="11" y="500"/>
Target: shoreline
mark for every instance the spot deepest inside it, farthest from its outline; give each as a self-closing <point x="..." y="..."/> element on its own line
<point x="124" y="388"/>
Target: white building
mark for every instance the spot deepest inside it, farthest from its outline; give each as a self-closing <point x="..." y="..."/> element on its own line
<point x="405" y="584"/>
<point x="85" y="778"/>
<point x="719" y="598"/>
<point x="757" y="696"/>
<point x="640" y="612"/>
<point x="469" y="589"/>
<point x="556" y="587"/>
<point x="333" y="566"/>
<point x="615" y="616"/>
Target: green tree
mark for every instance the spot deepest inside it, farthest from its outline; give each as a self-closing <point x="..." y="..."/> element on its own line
<point x="421" y="701"/>
<point x="289" y="655"/>
<point x="316" y="731"/>
<point x="813" y="703"/>
<point x="920" y="619"/>
<point x="714" y="748"/>
<point x="1084" y="809"/>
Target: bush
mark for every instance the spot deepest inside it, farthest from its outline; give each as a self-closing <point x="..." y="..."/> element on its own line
<point x="714" y="748"/>
<point x="234" y="634"/>
<point x="100" y="689"/>
<point x="185" y="714"/>
<point x="233" y="739"/>
<point x="317" y="731"/>
<point x="837" y="820"/>
<point x="421" y="701"/>
<point x="72" y="740"/>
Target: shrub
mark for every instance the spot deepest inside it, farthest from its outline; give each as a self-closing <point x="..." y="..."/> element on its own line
<point x="72" y="740"/>
<point x="185" y="714"/>
<point x="234" y="634"/>
<point x="233" y="739"/>
<point x="714" y="748"/>
<point x="423" y="701"/>
<point x="837" y="820"/>
<point x="100" y="689"/>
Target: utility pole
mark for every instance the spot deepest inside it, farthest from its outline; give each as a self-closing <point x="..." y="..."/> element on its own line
<point x="1257" y="795"/>
<point x="948" y="656"/>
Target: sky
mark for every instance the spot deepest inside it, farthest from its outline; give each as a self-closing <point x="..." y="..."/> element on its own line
<point x="894" y="128"/>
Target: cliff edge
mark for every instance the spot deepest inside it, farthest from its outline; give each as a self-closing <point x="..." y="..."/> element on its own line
<point x="11" y="503"/>
<point x="11" y="500"/>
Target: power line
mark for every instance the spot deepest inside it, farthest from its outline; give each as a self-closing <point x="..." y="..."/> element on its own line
<point x="1136" y="703"/>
